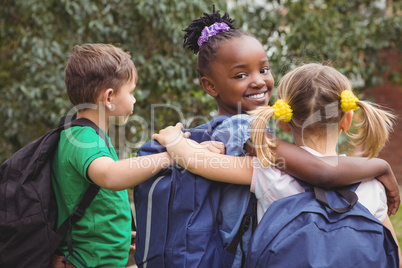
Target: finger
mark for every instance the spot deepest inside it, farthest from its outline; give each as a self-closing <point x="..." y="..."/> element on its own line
<point x="179" y="125"/>
<point x="396" y="207"/>
<point x="186" y="135"/>
<point x="219" y="146"/>
<point x="393" y="206"/>
<point x="155" y="136"/>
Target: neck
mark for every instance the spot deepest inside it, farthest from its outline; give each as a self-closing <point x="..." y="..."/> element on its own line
<point x="324" y="145"/>
<point x="95" y="116"/>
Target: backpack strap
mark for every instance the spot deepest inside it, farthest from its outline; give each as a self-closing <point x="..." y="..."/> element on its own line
<point x="83" y="122"/>
<point x="347" y="192"/>
<point x="91" y="192"/>
<point x="67" y="225"/>
<point x="248" y="218"/>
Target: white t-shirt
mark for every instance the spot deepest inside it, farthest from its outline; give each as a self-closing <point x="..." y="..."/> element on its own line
<point x="270" y="184"/>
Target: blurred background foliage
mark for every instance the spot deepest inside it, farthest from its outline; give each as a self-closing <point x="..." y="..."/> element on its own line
<point x="37" y="36"/>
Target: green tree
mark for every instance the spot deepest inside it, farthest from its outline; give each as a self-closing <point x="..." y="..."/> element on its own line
<point x="352" y="36"/>
<point x="36" y="37"/>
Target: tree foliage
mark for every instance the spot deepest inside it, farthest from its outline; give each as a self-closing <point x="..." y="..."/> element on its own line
<point x="348" y="34"/>
<point x="37" y="36"/>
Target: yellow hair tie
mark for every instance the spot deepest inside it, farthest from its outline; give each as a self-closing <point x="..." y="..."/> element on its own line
<point x="348" y="101"/>
<point x="282" y="111"/>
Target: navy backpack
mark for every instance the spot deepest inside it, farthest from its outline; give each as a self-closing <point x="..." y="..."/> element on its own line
<point x="178" y="215"/>
<point x="321" y="228"/>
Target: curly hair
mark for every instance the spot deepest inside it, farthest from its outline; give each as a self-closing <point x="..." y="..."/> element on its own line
<point x="209" y="49"/>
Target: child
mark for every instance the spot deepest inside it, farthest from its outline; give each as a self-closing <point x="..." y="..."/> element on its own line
<point x="316" y="104"/>
<point x="100" y="81"/>
<point x="233" y="68"/>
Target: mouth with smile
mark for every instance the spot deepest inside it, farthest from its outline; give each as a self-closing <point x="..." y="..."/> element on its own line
<point x="257" y="96"/>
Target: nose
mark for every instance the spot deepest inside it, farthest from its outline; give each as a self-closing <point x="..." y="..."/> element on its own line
<point x="258" y="81"/>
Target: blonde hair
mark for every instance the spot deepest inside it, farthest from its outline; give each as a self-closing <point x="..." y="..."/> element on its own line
<point x="313" y="93"/>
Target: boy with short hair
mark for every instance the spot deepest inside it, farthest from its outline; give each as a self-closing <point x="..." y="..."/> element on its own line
<point x="100" y="81"/>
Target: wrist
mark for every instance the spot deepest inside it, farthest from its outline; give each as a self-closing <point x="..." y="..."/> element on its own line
<point x="383" y="166"/>
<point x="167" y="160"/>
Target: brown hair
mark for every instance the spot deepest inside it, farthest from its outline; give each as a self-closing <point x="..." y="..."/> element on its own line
<point x="313" y="93"/>
<point x="94" y="67"/>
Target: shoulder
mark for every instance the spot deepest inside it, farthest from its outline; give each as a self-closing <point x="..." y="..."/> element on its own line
<point x="78" y="133"/>
<point x="273" y="183"/>
<point x="84" y="139"/>
<point x="238" y="120"/>
<point x="234" y="126"/>
<point x="234" y="132"/>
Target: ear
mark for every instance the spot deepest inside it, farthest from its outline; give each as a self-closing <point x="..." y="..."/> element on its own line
<point x="284" y="126"/>
<point x="106" y="97"/>
<point x="346" y="121"/>
<point x="209" y="86"/>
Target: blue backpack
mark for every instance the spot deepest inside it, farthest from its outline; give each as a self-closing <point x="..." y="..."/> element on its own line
<point x="316" y="229"/>
<point x="178" y="219"/>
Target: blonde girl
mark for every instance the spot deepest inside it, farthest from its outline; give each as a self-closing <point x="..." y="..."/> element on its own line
<point x="316" y="104"/>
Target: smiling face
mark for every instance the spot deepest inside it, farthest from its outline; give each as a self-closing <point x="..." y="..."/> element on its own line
<point x="239" y="78"/>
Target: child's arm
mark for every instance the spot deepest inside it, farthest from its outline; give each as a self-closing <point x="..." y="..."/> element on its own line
<point x="127" y="173"/>
<point x="387" y="223"/>
<point x="197" y="159"/>
<point x="329" y="171"/>
<point x="299" y="163"/>
<point x="335" y="171"/>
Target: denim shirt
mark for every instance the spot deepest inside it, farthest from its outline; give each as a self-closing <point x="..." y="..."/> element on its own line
<point x="234" y="132"/>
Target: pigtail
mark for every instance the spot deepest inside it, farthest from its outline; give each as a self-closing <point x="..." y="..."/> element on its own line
<point x="374" y="129"/>
<point x="262" y="143"/>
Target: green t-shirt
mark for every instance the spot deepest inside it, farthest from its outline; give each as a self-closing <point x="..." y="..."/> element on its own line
<point x="101" y="238"/>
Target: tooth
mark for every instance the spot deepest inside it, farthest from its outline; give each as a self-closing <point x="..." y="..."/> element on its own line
<point x="256" y="96"/>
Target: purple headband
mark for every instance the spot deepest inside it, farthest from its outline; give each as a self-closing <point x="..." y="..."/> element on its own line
<point x="211" y="31"/>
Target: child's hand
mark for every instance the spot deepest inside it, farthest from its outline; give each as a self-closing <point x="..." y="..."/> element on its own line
<point x="392" y="190"/>
<point x="214" y="146"/>
<point x="171" y="135"/>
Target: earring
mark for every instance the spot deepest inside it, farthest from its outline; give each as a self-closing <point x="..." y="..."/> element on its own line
<point x="111" y="107"/>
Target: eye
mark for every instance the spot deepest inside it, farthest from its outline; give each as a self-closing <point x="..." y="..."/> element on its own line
<point x="240" y="76"/>
<point x="264" y="70"/>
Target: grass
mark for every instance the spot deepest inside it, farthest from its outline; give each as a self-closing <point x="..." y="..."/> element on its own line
<point x="397" y="223"/>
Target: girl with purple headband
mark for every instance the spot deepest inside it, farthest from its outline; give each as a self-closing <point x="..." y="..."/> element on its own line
<point x="233" y="68"/>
